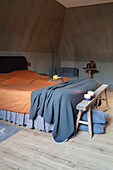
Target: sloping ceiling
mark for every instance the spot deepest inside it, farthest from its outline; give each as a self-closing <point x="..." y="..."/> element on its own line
<point x="88" y="34"/>
<point x="75" y="3"/>
<point x="31" y="25"/>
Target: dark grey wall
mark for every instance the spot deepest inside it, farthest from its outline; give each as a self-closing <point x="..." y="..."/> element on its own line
<point x="32" y="28"/>
<point x="31" y="25"/>
<point x="88" y="33"/>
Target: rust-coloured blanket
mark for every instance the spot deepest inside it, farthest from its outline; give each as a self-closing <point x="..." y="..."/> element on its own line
<point x="16" y="88"/>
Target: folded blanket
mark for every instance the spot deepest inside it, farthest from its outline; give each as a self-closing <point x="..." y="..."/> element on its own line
<point x="98" y="121"/>
<point x="57" y="104"/>
<point x="98" y="116"/>
<point x="96" y="127"/>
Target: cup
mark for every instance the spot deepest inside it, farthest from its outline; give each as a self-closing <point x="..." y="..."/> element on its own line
<point x="91" y="93"/>
<point x="87" y="96"/>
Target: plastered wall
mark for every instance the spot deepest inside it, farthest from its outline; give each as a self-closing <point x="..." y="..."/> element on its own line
<point x="88" y="35"/>
<point x="31" y="25"/>
<point x="104" y="72"/>
<point x="32" y="28"/>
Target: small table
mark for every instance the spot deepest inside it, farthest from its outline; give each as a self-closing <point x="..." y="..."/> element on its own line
<point x="89" y="71"/>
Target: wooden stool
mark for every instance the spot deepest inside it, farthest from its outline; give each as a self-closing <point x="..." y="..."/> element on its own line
<point x="85" y="105"/>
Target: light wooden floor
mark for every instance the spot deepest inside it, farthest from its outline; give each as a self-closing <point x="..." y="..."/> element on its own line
<point x="36" y="150"/>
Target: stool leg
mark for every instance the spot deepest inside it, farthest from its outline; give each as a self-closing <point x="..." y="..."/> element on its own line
<point x="89" y="122"/>
<point x="106" y="99"/>
<point x="98" y="99"/>
<point x="78" y="118"/>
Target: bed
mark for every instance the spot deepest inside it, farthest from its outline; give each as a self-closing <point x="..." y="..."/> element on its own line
<point x="28" y="98"/>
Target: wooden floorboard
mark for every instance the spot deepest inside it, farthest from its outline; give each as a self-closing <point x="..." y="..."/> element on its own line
<point x="36" y="150"/>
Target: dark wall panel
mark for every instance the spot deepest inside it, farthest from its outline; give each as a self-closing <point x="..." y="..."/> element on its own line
<point x="30" y="25"/>
<point x="88" y="34"/>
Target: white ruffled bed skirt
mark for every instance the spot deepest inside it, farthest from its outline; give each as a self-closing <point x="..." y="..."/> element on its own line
<point x="22" y="119"/>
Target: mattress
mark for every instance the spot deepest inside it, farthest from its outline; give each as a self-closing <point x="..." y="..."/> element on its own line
<point x="16" y="88"/>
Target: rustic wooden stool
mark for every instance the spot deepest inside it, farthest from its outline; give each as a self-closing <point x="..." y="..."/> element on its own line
<point x="85" y="105"/>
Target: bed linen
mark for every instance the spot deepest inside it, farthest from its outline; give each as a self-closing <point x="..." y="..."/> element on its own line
<point x="22" y="119"/>
<point x="57" y="105"/>
<point x="16" y="88"/>
<point x="15" y="97"/>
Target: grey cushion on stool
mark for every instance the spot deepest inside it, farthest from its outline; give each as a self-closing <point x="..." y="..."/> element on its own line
<point x="98" y="116"/>
<point x="98" y="121"/>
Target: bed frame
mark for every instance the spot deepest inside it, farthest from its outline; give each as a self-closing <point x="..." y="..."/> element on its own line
<point x="12" y="63"/>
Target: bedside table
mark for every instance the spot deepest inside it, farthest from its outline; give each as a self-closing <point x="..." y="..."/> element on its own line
<point x="90" y="71"/>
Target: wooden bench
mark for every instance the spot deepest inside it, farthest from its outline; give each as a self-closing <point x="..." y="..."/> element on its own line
<point x="86" y="105"/>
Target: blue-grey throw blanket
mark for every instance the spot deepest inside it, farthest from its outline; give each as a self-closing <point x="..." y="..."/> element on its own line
<point x="57" y="104"/>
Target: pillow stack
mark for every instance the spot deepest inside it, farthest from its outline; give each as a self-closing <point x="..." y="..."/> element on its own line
<point x="98" y="121"/>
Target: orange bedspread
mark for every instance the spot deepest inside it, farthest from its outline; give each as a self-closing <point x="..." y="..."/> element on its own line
<point x="16" y="88"/>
